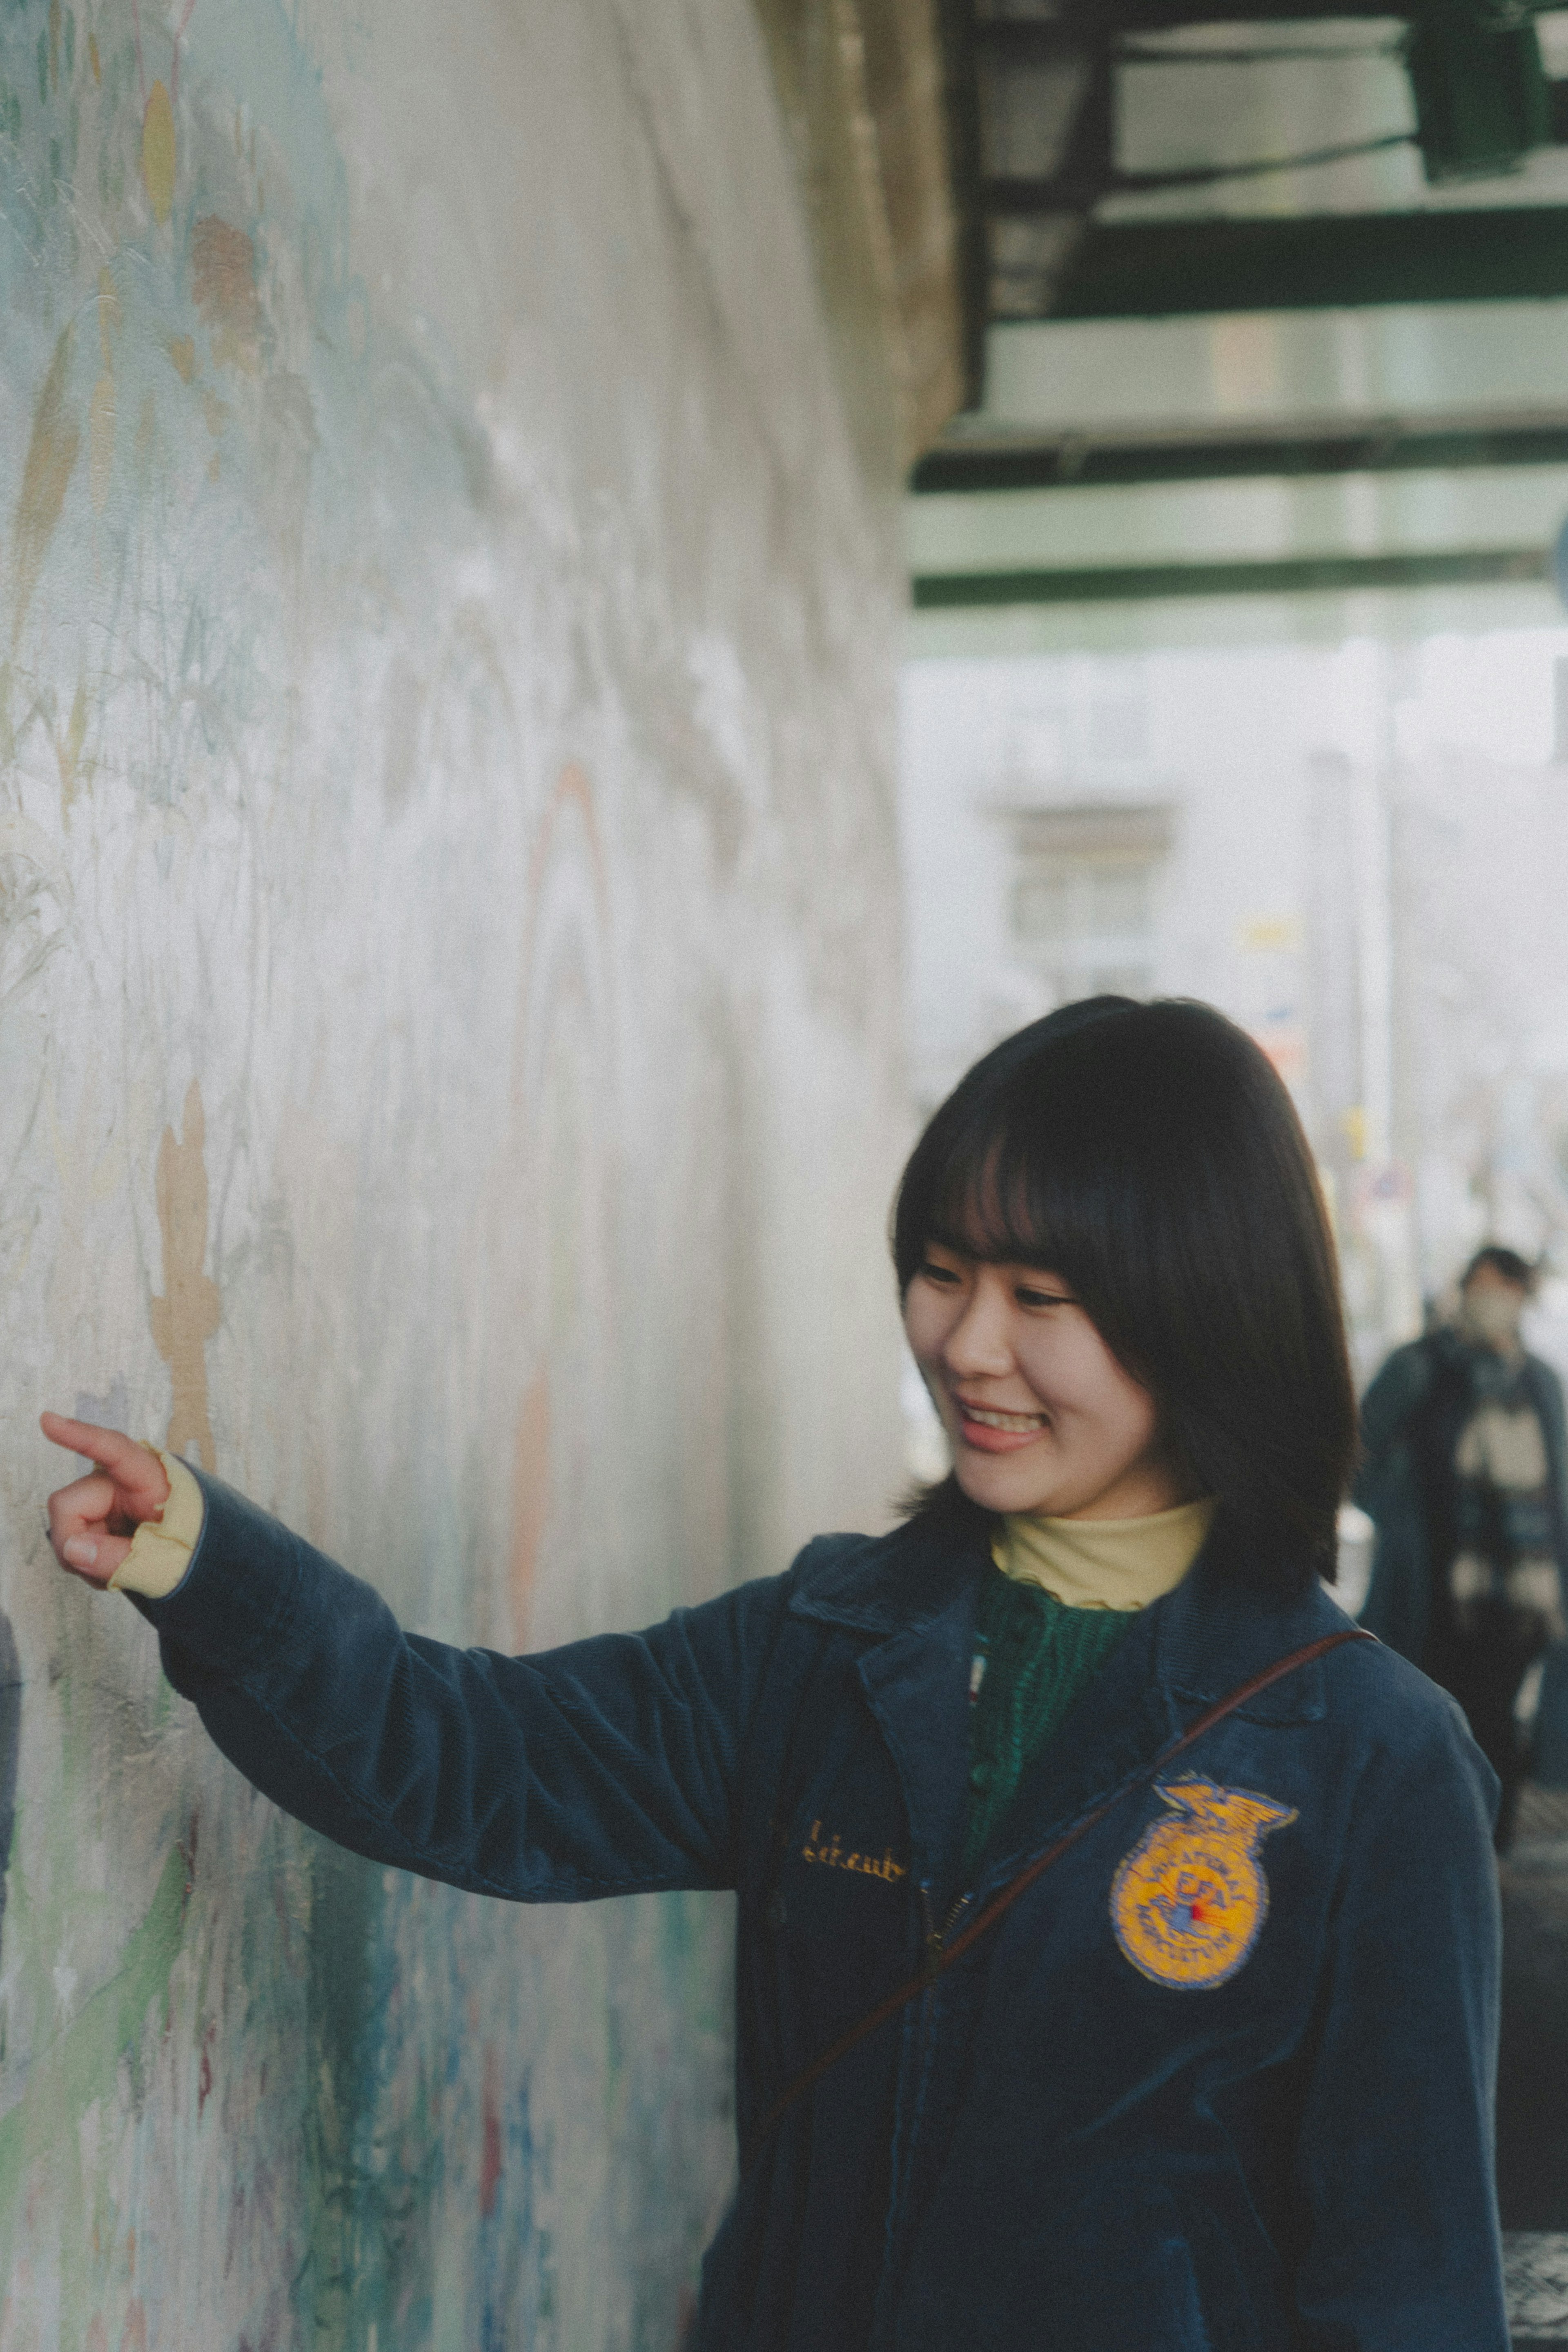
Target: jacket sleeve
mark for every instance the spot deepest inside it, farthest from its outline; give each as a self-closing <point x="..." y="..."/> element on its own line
<point x="1403" y="1383"/>
<point x="1395" y="2161"/>
<point x="1548" y="1392"/>
<point x="1549" y="1732"/>
<point x="604" y="1768"/>
<point x="1398" y="1607"/>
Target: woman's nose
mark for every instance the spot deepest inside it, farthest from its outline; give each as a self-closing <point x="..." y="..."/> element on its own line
<point x="978" y="1343"/>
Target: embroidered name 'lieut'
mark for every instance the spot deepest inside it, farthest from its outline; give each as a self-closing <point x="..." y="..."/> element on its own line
<point x="828" y="1852"/>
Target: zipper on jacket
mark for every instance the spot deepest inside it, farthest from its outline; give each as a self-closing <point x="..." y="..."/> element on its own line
<point x="937" y="1937"/>
<point x="930" y="1969"/>
<point x="930" y="1936"/>
<point x="932" y="1940"/>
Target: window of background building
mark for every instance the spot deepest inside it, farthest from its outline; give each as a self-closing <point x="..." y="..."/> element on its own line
<point x="1082" y="898"/>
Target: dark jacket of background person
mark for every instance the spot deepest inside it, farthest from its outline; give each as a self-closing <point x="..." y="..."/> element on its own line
<point x="1051" y="2151"/>
<point x="1411" y="1417"/>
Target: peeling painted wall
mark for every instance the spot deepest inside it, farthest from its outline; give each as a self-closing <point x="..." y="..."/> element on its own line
<point x="448" y="1081"/>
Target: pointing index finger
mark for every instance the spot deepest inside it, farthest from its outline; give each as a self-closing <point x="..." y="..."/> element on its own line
<point x="110" y="1448"/>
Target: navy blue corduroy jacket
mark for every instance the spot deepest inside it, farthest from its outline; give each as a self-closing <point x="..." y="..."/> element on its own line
<point x="1056" y="2147"/>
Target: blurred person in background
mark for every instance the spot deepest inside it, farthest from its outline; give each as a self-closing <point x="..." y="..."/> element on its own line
<point x="1463" y="1463"/>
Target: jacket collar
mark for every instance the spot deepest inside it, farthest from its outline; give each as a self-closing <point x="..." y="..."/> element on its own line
<point x="1213" y="1633"/>
<point x="889" y="1584"/>
<point x="1208" y="1636"/>
<point x="912" y="1596"/>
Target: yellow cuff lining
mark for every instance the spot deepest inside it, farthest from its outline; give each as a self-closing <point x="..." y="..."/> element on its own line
<point x="160" y="1549"/>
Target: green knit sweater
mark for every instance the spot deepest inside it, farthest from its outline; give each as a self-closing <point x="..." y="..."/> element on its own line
<point x="1032" y="1658"/>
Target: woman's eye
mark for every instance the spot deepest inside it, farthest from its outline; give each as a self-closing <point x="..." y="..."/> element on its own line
<point x="1028" y="1297"/>
<point x="934" y="1273"/>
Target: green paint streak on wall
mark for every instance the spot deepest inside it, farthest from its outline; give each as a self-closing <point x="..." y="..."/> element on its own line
<point x="346" y="2279"/>
<point x="82" y="2062"/>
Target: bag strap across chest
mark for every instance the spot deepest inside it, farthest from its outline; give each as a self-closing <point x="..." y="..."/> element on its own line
<point x="941" y="1952"/>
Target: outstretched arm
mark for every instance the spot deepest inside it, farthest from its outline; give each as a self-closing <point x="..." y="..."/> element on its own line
<point x="604" y="1768"/>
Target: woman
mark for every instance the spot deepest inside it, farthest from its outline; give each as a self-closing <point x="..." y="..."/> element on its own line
<point x="1218" y="2075"/>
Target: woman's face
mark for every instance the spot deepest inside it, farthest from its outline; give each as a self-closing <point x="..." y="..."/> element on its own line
<point x="1039" y="1414"/>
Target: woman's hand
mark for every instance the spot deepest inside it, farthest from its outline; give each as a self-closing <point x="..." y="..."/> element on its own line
<point x="92" y="1520"/>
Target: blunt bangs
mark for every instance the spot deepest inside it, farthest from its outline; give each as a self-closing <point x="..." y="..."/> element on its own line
<point x="1150" y="1155"/>
<point x="998" y="1198"/>
<point x="1014" y="1168"/>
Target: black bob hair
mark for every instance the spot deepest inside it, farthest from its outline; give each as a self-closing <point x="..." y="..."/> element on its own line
<point x="1150" y="1155"/>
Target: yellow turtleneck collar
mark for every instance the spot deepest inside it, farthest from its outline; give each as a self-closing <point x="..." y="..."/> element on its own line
<point x="1104" y="1563"/>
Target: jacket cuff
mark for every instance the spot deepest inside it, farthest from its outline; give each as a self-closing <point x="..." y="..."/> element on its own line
<point x="241" y="1588"/>
<point x="160" y="1549"/>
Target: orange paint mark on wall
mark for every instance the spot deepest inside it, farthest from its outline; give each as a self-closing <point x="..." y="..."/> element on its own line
<point x="190" y="1310"/>
<point x="182" y="352"/>
<point x="572" y="791"/>
<point x="158" y="153"/>
<point x="530" y="1503"/>
<point x="223" y="282"/>
<point x="572" y="798"/>
<point x="51" y="455"/>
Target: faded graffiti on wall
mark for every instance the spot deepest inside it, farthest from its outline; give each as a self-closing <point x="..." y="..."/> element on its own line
<point x="444" y="861"/>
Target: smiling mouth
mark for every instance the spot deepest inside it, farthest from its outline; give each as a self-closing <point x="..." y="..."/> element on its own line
<point x="1015" y="1424"/>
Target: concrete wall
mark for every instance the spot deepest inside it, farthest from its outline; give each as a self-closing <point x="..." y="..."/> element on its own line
<point x="448" y="1081"/>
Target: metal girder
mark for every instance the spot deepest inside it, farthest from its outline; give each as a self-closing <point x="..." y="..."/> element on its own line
<point x="1150" y="269"/>
<point x="1134" y="17"/>
<point x="1287" y="576"/>
<point x="955" y="26"/>
<point x="1034" y="159"/>
<point x="1084" y="461"/>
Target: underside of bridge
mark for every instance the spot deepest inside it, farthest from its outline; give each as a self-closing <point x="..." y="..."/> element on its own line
<point x="1311" y="260"/>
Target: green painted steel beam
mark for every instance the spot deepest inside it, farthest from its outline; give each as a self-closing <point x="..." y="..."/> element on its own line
<point x="1287" y="576"/>
<point x="1078" y="461"/>
<point x="1177" y="269"/>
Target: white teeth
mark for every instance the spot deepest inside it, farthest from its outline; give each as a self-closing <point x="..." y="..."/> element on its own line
<point x="1014" y="1424"/>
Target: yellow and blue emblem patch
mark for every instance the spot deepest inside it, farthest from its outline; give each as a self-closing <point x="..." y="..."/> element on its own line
<point x="1189" y="1901"/>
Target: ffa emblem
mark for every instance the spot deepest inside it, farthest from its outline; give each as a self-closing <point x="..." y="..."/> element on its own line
<point x="1188" y="1902"/>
